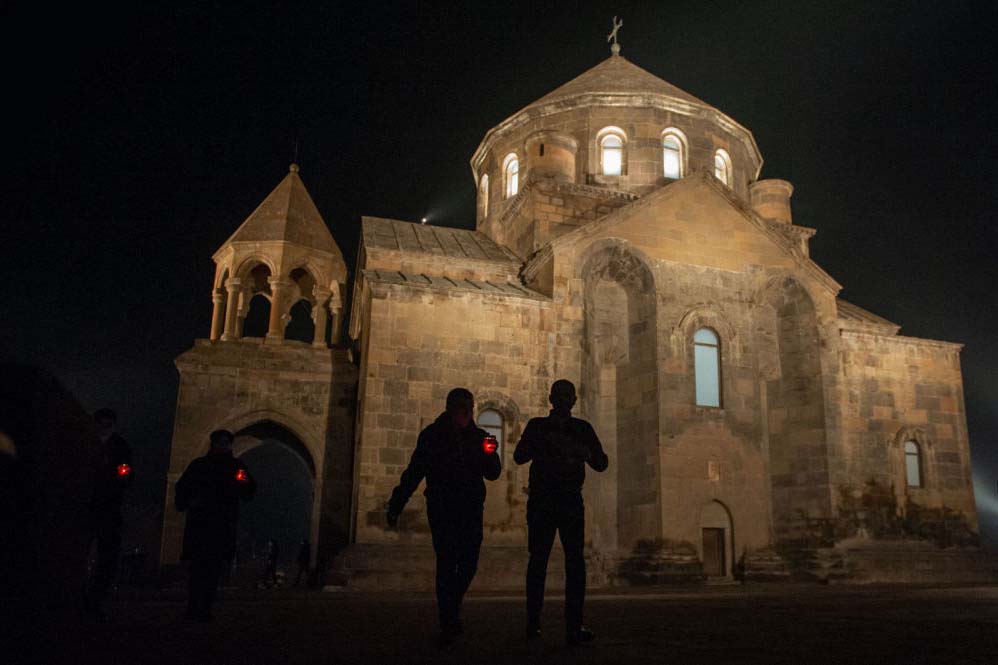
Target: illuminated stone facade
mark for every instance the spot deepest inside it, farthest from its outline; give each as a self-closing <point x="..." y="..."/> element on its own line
<point x="604" y="280"/>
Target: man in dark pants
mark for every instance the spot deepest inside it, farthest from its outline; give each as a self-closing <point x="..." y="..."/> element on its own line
<point x="210" y="491"/>
<point x="304" y="559"/>
<point x="559" y="447"/>
<point x="453" y="454"/>
<point x="113" y="475"/>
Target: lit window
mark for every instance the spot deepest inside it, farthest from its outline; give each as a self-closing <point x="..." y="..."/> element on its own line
<point x="511" y="173"/>
<point x="722" y="167"/>
<point x="490" y="420"/>
<point x="707" y="367"/>
<point x="913" y="464"/>
<point x="483" y="195"/>
<point x="613" y="154"/>
<point x="672" y="154"/>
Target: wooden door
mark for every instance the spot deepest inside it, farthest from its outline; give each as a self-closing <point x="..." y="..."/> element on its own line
<point x="714" y="564"/>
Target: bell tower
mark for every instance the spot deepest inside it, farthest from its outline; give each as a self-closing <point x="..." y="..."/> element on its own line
<point x="272" y="372"/>
<point x="283" y="255"/>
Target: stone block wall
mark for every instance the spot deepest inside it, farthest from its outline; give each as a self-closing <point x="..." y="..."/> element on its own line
<point x="307" y="391"/>
<point x="899" y="389"/>
<point x="419" y="344"/>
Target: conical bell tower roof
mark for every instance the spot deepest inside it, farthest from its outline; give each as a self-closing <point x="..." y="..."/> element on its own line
<point x="287" y="214"/>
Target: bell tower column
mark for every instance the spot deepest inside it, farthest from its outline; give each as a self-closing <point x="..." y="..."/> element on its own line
<point x="279" y="287"/>
<point x="232" y="287"/>
<point x="217" y="314"/>
<point x="319" y="316"/>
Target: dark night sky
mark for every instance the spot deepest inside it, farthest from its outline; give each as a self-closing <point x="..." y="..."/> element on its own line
<point x="137" y="139"/>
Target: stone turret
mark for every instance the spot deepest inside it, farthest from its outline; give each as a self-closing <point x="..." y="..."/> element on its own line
<point x="771" y="199"/>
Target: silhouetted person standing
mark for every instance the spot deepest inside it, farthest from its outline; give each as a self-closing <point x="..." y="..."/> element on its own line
<point x="210" y="491"/>
<point x="559" y="446"/>
<point x="454" y="455"/>
<point x="114" y="475"/>
<point x="270" y="572"/>
<point x="304" y="559"/>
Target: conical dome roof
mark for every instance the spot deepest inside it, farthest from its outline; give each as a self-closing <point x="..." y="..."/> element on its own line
<point x="617" y="75"/>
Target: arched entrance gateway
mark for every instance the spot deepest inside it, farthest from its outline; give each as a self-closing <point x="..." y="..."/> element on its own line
<point x="285" y="503"/>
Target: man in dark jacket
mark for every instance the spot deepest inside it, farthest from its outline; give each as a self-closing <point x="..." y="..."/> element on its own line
<point x="210" y="491"/>
<point x="114" y="475"/>
<point x="453" y="454"/>
<point x="559" y="446"/>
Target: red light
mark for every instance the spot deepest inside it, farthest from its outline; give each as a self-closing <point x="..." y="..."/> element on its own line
<point x="241" y="476"/>
<point x="124" y="470"/>
<point x="489" y="444"/>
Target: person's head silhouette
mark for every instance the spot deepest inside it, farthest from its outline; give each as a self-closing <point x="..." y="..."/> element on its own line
<point x="562" y="396"/>
<point x="106" y="421"/>
<point x="460" y="406"/>
<point x="221" y="441"/>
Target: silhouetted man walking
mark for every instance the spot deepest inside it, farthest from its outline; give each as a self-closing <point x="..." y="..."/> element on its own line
<point x="304" y="559"/>
<point x="210" y="491"/>
<point x="114" y="475"/>
<point x="453" y="454"/>
<point x="558" y="446"/>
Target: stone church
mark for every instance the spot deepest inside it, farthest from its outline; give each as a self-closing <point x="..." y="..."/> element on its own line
<point x="756" y="423"/>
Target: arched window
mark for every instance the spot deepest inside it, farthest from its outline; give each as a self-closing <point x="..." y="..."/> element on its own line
<point x="722" y="166"/>
<point x="483" y="195"/>
<point x="673" y="154"/>
<point x="707" y="367"/>
<point x="913" y="464"/>
<point x="612" y="154"/>
<point x="491" y="421"/>
<point x="511" y="175"/>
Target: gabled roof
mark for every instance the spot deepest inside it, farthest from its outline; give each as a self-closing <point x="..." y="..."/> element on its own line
<point x="289" y="214"/>
<point x="617" y="74"/>
<point x="445" y="242"/>
<point x="772" y="230"/>
<point x="854" y="317"/>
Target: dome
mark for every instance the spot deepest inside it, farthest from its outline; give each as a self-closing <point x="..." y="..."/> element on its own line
<point x="616" y="76"/>
<point x="562" y="135"/>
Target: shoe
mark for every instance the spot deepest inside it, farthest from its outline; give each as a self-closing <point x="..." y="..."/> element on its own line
<point x="580" y="636"/>
<point x="446" y="638"/>
<point x="533" y="630"/>
<point x="449" y="632"/>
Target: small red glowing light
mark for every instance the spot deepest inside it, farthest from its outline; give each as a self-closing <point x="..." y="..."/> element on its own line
<point x="489" y="444"/>
<point x="241" y="476"/>
<point x="124" y="470"/>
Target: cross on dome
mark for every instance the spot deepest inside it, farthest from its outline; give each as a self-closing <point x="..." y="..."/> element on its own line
<point x="615" y="47"/>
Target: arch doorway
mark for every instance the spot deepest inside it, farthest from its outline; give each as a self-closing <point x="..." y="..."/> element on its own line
<point x="716" y="546"/>
<point x="285" y="499"/>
